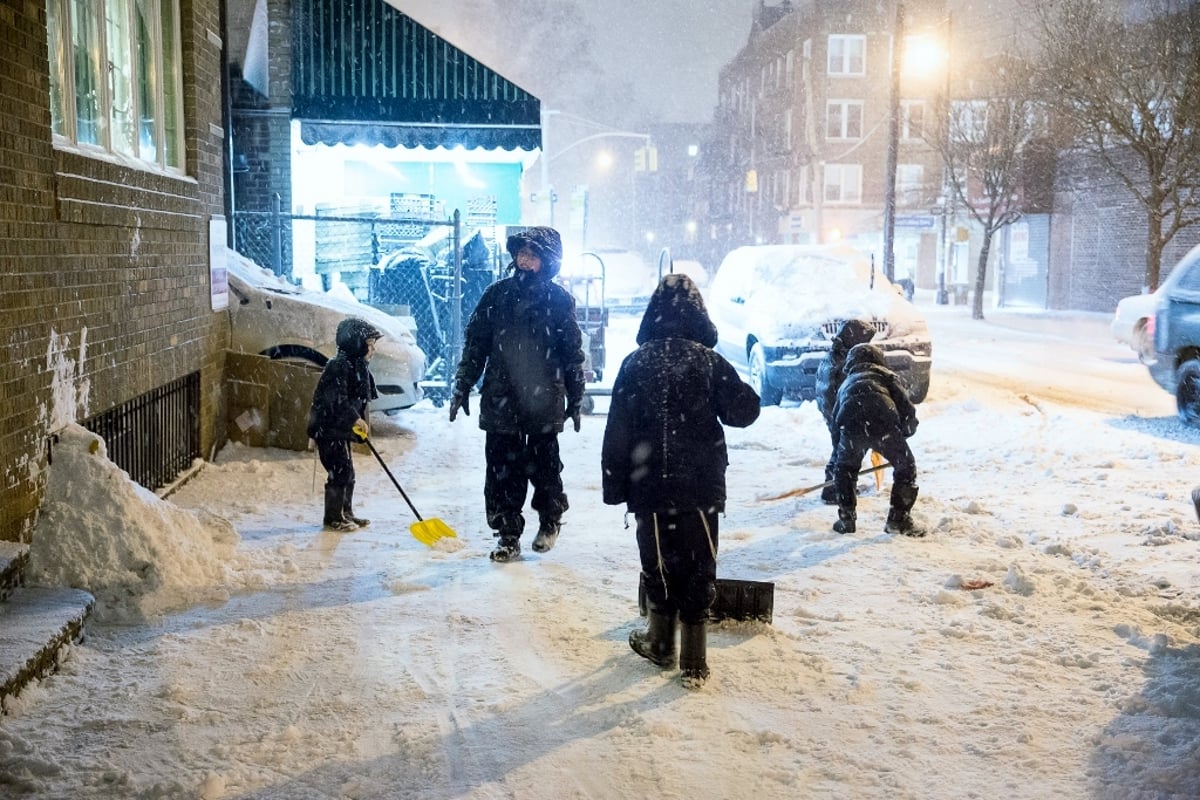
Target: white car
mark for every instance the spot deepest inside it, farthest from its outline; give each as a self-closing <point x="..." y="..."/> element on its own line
<point x="778" y="307"/>
<point x="1130" y="323"/>
<point x="273" y="318"/>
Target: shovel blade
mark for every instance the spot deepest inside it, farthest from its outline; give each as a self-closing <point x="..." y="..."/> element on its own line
<point x="430" y="531"/>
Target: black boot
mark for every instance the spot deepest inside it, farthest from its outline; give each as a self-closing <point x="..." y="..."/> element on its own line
<point x="656" y="644"/>
<point x="899" y="520"/>
<point x="547" y="534"/>
<point x="348" y="505"/>
<point x="334" y="502"/>
<point x="847" y="500"/>
<point x="693" y="654"/>
<point x="508" y="547"/>
<point x="846" y="522"/>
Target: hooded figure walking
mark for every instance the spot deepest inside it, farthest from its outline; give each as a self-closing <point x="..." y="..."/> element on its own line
<point x="339" y="405"/>
<point x="873" y="412"/>
<point x="524" y="340"/>
<point x="830" y="374"/>
<point x="664" y="456"/>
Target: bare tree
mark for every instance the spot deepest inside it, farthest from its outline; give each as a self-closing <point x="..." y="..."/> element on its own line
<point x="1128" y="86"/>
<point x="984" y="143"/>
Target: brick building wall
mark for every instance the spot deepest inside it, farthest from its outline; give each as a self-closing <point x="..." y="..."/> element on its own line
<point x="105" y="267"/>
<point x="1098" y="238"/>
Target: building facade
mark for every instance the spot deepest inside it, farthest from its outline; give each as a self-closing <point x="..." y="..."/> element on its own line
<point x="112" y="156"/>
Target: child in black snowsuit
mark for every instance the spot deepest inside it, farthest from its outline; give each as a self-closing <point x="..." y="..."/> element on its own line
<point x="524" y="339"/>
<point x="339" y="405"/>
<point x="830" y="374"/>
<point x="664" y="456"/>
<point x="873" y="412"/>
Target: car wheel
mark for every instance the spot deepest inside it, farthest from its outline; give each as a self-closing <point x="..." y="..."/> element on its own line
<point x="296" y="353"/>
<point x="768" y="395"/>
<point x="1187" y="392"/>
<point x="1143" y="343"/>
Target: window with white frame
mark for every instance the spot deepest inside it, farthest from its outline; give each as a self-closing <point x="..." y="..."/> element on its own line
<point x="912" y="119"/>
<point x="843" y="119"/>
<point x="843" y="183"/>
<point x="910" y="183"/>
<point x="116" y="83"/>
<point x="847" y="54"/>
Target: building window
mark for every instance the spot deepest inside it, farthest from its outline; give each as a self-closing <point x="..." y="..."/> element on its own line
<point x="843" y="119"/>
<point x="910" y="183"/>
<point x="115" y="78"/>
<point x="847" y="54"/>
<point x="843" y="183"/>
<point x="912" y="119"/>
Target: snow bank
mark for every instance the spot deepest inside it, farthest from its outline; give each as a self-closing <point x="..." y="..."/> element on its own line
<point x="100" y="531"/>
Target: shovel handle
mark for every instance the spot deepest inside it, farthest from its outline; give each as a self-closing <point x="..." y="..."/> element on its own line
<point x="379" y="458"/>
<point x="805" y="490"/>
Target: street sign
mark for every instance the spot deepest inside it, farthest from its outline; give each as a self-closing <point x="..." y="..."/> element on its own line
<point x="914" y="222"/>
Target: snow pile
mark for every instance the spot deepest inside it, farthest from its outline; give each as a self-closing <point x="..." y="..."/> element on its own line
<point x="100" y="531"/>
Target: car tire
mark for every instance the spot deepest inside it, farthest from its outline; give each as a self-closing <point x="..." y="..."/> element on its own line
<point x="296" y="353"/>
<point x="1187" y="392"/>
<point x="768" y="395"/>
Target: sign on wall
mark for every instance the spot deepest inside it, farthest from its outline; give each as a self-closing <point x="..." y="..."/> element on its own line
<point x="218" y="269"/>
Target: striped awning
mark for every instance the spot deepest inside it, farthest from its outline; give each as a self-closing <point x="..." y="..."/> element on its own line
<point x="365" y="73"/>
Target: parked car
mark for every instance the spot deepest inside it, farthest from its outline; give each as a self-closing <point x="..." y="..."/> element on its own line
<point x="1175" y="332"/>
<point x="777" y="308"/>
<point x="1131" y="323"/>
<point x="274" y="318"/>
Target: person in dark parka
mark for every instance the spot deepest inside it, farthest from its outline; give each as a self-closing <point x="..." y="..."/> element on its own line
<point x="873" y="412"/>
<point x="524" y="340"/>
<point x="339" y="405"/>
<point x="830" y="374"/>
<point x="664" y="456"/>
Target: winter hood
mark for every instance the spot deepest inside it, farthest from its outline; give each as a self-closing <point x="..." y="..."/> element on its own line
<point x="864" y="354"/>
<point x="353" y="334"/>
<point x="853" y="332"/>
<point x="676" y="310"/>
<point x="543" y="241"/>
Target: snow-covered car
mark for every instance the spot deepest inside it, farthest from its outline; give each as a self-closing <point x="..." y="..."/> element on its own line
<point x="274" y="318"/>
<point x="1131" y="323"/>
<point x="778" y="307"/>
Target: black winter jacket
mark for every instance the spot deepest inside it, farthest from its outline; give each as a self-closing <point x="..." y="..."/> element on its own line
<point x="524" y="339"/>
<point x="346" y="386"/>
<point x="871" y="402"/>
<point x="664" y="447"/>
<point x="832" y="371"/>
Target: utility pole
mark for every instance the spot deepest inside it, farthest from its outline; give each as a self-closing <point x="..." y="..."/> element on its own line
<point x="893" y="147"/>
<point x="947" y="188"/>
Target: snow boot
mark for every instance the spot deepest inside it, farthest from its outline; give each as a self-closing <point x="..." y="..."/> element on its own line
<point x="829" y="495"/>
<point x="507" y="549"/>
<point x="899" y="520"/>
<point x="656" y="644"/>
<point x="846" y="521"/>
<point x="693" y="654"/>
<point x="348" y="505"/>
<point x="334" y="500"/>
<point x="547" y="535"/>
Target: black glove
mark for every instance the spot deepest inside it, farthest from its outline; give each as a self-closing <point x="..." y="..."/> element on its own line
<point x="459" y="400"/>
<point x="573" y="412"/>
<point x="910" y="427"/>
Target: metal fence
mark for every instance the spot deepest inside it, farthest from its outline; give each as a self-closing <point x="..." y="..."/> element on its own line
<point x="155" y="436"/>
<point x="403" y="265"/>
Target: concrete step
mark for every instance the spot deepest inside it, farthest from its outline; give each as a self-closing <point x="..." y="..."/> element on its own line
<point x="35" y="624"/>
<point x="14" y="558"/>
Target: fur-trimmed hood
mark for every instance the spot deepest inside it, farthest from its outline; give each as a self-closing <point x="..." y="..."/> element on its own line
<point x="543" y="241"/>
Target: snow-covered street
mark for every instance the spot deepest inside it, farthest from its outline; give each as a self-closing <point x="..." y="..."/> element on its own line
<point x="1054" y="476"/>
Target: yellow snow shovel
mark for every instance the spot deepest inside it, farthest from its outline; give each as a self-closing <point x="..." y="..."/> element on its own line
<point x="876" y="460"/>
<point x="426" y="531"/>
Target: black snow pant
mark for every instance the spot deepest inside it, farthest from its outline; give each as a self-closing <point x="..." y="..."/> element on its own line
<point x="514" y="461"/>
<point x="892" y="445"/>
<point x="678" y="550"/>
<point x="339" y="477"/>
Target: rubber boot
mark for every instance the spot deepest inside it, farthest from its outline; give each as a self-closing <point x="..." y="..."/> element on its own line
<point x="693" y="654"/>
<point x="348" y="505"/>
<point x="847" y="521"/>
<point x="656" y="644"/>
<point x="847" y="500"/>
<point x="508" y="547"/>
<point x="547" y="534"/>
<point x="899" y="520"/>
<point x="334" y="502"/>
